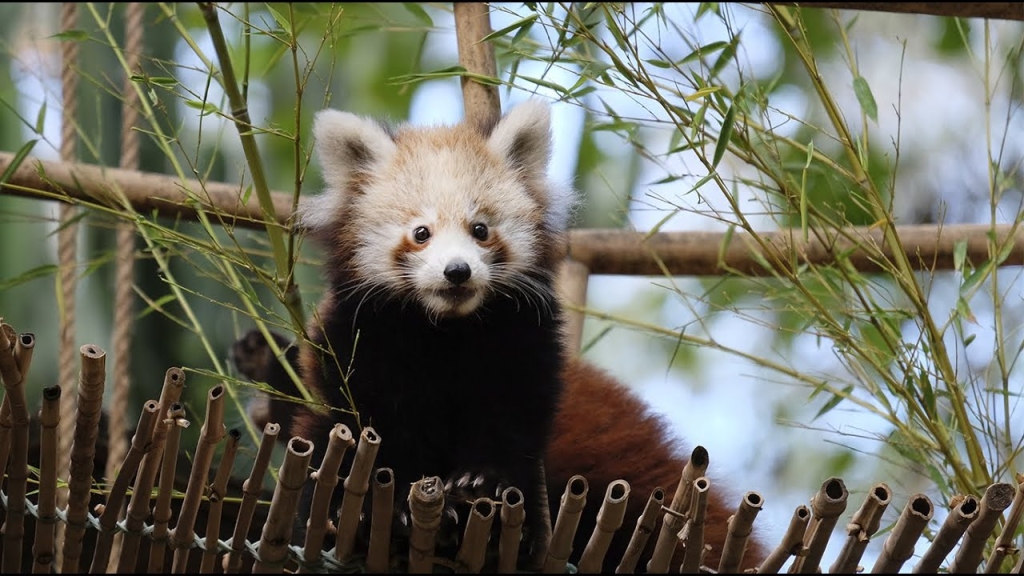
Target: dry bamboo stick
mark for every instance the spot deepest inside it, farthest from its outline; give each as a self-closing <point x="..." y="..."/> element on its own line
<point x="695" y="467"/>
<point x="1004" y="544"/>
<point x="827" y="505"/>
<point x="996" y="499"/>
<point x="792" y="543"/>
<point x="609" y="519"/>
<point x="574" y="498"/>
<point x="15" y="359"/>
<point x="162" y="511"/>
<point x="141" y="442"/>
<point x="426" y="502"/>
<point x="645" y="526"/>
<point x="1002" y="10"/>
<point x="861" y="528"/>
<point x="182" y="538"/>
<point x="142" y="491"/>
<point x="357" y="483"/>
<point x="513" y="514"/>
<point x="251" y="490"/>
<point x="49" y="419"/>
<point x="326" y="478"/>
<point x="473" y="550"/>
<point x="692" y="533"/>
<point x="277" y="532"/>
<point x="964" y="511"/>
<point x="741" y="524"/>
<point x="378" y="556"/>
<point x="899" y="546"/>
<point x="218" y="492"/>
<point x="83" y="452"/>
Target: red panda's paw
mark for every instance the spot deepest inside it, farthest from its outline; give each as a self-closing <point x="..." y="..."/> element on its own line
<point x="462" y="490"/>
<point x="252" y="355"/>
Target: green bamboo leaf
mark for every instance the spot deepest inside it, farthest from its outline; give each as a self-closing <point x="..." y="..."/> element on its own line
<point x="37" y="272"/>
<point x="19" y="157"/>
<point x="864" y="96"/>
<point x="702" y="93"/>
<point x="72" y="35"/>
<point x="41" y="118"/>
<point x="702" y="52"/>
<point x="284" y="23"/>
<point x="833" y="402"/>
<point x="206" y="107"/>
<point x="419" y="13"/>
<point x="521" y="23"/>
<point x="658" y="63"/>
<point x="959" y="254"/>
<point x="724" y="136"/>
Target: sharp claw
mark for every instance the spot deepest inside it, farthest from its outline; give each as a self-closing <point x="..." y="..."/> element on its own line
<point x="478" y="481"/>
<point x="404" y="519"/>
<point x="451" y="513"/>
<point x="463" y="480"/>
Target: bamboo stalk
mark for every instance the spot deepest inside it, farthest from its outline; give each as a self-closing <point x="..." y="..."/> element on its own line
<point x="182" y="538"/>
<point x="15" y="359"/>
<point x="1018" y="568"/>
<point x="964" y="511"/>
<point x="473" y="550"/>
<point x="571" y="286"/>
<point x="357" y="483"/>
<point x="861" y="528"/>
<point x="83" y="451"/>
<point x="326" y="478"/>
<point x="827" y="505"/>
<point x="574" y="498"/>
<point x="378" y="556"/>
<point x="49" y="418"/>
<point x="609" y="519"/>
<point x="480" y="101"/>
<point x="997" y="498"/>
<point x="645" y="525"/>
<point x="792" y="543"/>
<point x="665" y="547"/>
<point x="1004" y="544"/>
<point x="218" y="492"/>
<point x="899" y="546"/>
<point x="692" y="534"/>
<point x="251" y="490"/>
<point x="141" y="442"/>
<point x="162" y="511"/>
<point x="741" y="524"/>
<point x="426" y="502"/>
<point x="277" y="532"/>
<point x="142" y="491"/>
<point x="1002" y="10"/>
<point x="513" y="514"/>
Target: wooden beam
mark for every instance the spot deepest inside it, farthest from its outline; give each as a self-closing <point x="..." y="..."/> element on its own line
<point x="997" y="10"/>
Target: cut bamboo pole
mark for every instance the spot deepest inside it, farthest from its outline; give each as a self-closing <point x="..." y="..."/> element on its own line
<point x="141" y="442"/>
<point x="692" y="534"/>
<point x="218" y="492"/>
<point x="15" y="359"/>
<point x="827" y="505"/>
<point x="339" y="440"/>
<point x="426" y="503"/>
<point x="996" y="499"/>
<point x="513" y="514"/>
<point x="645" y="526"/>
<point x="740" y="526"/>
<point x="49" y="418"/>
<point x="473" y="550"/>
<point x="861" y="528"/>
<point x="162" y="511"/>
<point x="378" y="555"/>
<point x="277" y="532"/>
<point x="668" y="538"/>
<point x="964" y="511"/>
<point x="899" y="546"/>
<point x="6" y="424"/>
<point x="792" y="543"/>
<point x="1004" y="544"/>
<point x="252" y="488"/>
<point x="182" y="538"/>
<point x="571" y="505"/>
<point x="356" y="484"/>
<point x="83" y="452"/>
<point x="609" y="519"/>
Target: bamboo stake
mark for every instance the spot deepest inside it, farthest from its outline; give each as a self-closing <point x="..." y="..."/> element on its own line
<point x="513" y="514"/>
<point x="645" y="525"/>
<point x="996" y="499"/>
<point x="141" y="442"/>
<point x="49" y="418"/>
<point x="899" y="546"/>
<point x="569" y="510"/>
<point x="692" y="534"/>
<point x="827" y="505"/>
<point x="378" y="556"/>
<point x="218" y="492"/>
<point x="357" y="483"/>
<point x="426" y="502"/>
<point x="1004" y="544"/>
<point x="741" y="524"/>
<point x="162" y="511"/>
<point x="251" y="490"/>
<point x="964" y="511"/>
<point x="83" y="452"/>
<point x="338" y="442"/>
<point x="609" y="519"/>
<point x="792" y="543"/>
<point x="473" y="550"/>
<point x="1003" y="10"/>
<point x="15" y="359"/>
<point x="142" y="492"/>
<point x="277" y="532"/>
<point x="183" y="535"/>
<point x="861" y="528"/>
<point x="665" y="547"/>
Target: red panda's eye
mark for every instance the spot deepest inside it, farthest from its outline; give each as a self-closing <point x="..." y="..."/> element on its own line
<point x="480" y="232"/>
<point x="421" y="234"/>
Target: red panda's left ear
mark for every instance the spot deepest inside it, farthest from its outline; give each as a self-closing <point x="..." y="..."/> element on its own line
<point x="523" y="137"/>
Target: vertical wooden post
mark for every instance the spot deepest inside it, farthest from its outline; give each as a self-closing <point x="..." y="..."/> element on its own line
<point x="572" y="288"/>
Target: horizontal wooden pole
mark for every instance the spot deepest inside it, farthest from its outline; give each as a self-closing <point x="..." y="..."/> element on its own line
<point x="602" y="251"/>
<point x="998" y="10"/>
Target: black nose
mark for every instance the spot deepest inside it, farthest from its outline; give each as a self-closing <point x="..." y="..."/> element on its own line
<point x="457" y="272"/>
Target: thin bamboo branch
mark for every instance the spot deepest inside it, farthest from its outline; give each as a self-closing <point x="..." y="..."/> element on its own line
<point x="357" y="483"/>
<point x="574" y="498"/>
<point x="338" y="442"/>
<point x="162" y="511"/>
<point x="15" y="359"/>
<point x="1004" y="544"/>
<point x="218" y="492"/>
<point x="473" y="550"/>
<point x="741" y="524"/>
<point x="141" y="442"/>
<point x="899" y="546"/>
<point x="645" y="526"/>
<point x="378" y="555"/>
<point x="83" y="451"/>
<point x="609" y="519"/>
<point x="999" y="10"/>
<point x="862" y="527"/>
<point x="665" y="547"/>
<point x="964" y="511"/>
<point x="49" y="418"/>
<point x="513" y="514"/>
<point x="997" y="498"/>
<point x="792" y="543"/>
<point x="827" y="505"/>
<point x="277" y="532"/>
<point x="251" y="490"/>
<point x="426" y="502"/>
<point x="692" y="534"/>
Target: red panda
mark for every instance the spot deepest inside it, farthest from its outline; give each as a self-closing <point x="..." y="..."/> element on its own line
<point x="441" y="329"/>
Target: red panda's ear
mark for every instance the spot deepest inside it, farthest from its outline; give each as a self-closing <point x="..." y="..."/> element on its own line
<point x="347" y="144"/>
<point x="523" y="137"/>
